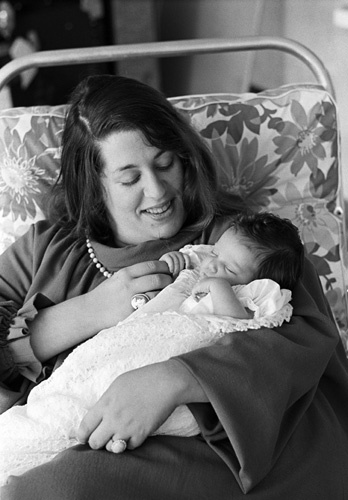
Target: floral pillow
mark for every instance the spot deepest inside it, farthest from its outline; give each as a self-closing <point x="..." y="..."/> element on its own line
<point x="279" y="150"/>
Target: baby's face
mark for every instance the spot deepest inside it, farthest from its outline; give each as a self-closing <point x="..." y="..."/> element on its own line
<point x="230" y="259"/>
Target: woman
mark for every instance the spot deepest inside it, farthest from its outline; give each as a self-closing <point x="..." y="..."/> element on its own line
<point x="137" y="181"/>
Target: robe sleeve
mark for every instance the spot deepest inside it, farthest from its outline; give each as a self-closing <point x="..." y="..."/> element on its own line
<point x="260" y="383"/>
<point x="17" y="360"/>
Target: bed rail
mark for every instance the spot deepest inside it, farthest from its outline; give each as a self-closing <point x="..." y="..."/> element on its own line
<point x="75" y="56"/>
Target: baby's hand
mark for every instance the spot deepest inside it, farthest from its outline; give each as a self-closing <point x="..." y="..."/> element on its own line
<point x="176" y="261"/>
<point x="204" y="286"/>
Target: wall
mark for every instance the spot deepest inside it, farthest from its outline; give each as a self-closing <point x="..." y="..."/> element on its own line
<point x="125" y="31"/>
<point x="187" y="19"/>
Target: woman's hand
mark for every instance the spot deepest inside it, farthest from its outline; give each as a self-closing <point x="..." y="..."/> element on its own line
<point x="137" y="403"/>
<point x="69" y="323"/>
<point x="111" y="300"/>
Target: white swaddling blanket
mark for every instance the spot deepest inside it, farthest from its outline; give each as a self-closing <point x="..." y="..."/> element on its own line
<point x="34" y="433"/>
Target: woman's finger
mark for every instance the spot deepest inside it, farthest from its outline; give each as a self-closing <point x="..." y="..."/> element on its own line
<point x="97" y="427"/>
<point x="91" y="420"/>
<point x="146" y="268"/>
<point x="101" y="435"/>
<point x="153" y="294"/>
<point x="144" y="277"/>
<point x="150" y="283"/>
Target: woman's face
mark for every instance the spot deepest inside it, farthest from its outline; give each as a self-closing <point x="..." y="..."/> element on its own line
<point x="143" y="188"/>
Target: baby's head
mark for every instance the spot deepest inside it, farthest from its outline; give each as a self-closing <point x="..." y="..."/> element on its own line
<point x="257" y="246"/>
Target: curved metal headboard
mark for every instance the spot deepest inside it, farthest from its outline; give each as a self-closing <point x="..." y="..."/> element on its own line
<point x="64" y="57"/>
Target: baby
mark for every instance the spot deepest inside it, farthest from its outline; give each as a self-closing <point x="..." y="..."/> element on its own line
<point x="260" y="247"/>
<point x="233" y="285"/>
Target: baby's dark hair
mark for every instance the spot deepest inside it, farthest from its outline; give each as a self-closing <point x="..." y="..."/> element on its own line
<point x="277" y="245"/>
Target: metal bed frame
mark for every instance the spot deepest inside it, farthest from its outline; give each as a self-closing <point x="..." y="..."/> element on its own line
<point x="113" y="53"/>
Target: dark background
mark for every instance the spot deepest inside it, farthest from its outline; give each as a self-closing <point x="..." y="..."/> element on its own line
<point x="58" y="24"/>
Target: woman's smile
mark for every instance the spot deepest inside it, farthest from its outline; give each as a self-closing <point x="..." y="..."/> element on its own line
<point x="161" y="210"/>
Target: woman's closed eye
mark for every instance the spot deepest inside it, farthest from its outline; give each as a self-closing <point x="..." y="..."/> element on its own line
<point x="130" y="182"/>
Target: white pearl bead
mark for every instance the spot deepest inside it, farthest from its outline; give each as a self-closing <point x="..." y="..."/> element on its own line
<point x="99" y="266"/>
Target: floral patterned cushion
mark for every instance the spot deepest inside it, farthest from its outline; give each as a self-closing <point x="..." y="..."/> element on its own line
<point x="278" y="149"/>
<point x="29" y="165"/>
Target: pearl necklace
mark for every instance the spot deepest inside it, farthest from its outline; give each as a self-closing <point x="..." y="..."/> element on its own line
<point x="98" y="265"/>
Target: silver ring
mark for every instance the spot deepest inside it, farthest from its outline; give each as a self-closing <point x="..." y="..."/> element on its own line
<point x="118" y="446"/>
<point x="139" y="300"/>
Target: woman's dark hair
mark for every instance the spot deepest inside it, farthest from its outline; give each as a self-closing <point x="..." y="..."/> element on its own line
<point x="277" y="245"/>
<point x="104" y="104"/>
